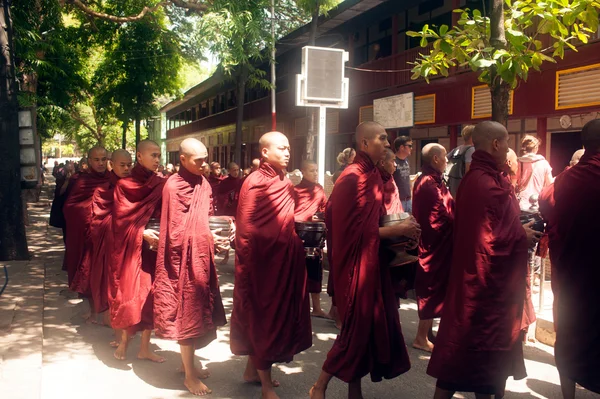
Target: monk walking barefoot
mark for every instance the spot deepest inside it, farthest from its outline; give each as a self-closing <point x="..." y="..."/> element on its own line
<point x="310" y="199"/>
<point x="270" y="322"/>
<point x="479" y="343"/>
<point x="370" y="340"/>
<point x="137" y="200"/>
<point x="187" y="301"/>
<point x="433" y="208"/>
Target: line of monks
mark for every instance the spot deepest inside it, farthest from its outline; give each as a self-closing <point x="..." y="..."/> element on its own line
<point x="473" y="257"/>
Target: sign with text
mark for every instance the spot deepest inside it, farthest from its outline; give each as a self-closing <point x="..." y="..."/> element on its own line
<point x="395" y="112"/>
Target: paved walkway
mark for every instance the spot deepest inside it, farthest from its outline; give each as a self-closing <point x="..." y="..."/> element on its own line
<point x="47" y="351"/>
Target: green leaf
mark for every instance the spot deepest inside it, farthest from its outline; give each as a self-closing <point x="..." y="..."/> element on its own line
<point x="546" y="58"/>
<point x="443" y="30"/>
<point x="423" y="42"/>
<point x="483" y="63"/>
<point x="582" y="36"/>
<point x="446" y="47"/>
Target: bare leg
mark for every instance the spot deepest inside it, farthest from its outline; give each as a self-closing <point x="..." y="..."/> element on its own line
<point x="121" y="352"/>
<point x="442" y="394"/>
<point x="334" y="315"/>
<point x="421" y="340"/>
<point x="145" y="353"/>
<point x="318" y="390"/>
<point x="251" y="374"/>
<point x="355" y="390"/>
<point x="191" y="381"/>
<point x="316" y="306"/>
<point x="567" y="386"/>
<point x="118" y="338"/>
<point x="268" y="391"/>
<point x="225" y="258"/>
<point x="201" y="372"/>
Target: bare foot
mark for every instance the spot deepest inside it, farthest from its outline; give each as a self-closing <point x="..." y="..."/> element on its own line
<point x="114" y="344"/>
<point x="315" y="393"/>
<point x="196" y="387"/>
<point x="225" y="259"/>
<point x="427" y="347"/>
<point x="338" y="325"/>
<point x="153" y="357"/>
<point x="121" y="352"/>
<point x="199" y="372"/>
<point x="320" y="313"/>
<point x="256" y="380"/>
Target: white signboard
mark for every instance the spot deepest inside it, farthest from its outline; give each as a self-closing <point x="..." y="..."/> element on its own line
<point x="395" y="111"/>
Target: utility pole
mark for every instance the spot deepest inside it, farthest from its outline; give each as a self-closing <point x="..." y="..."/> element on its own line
<point x="13" y="241"/>
<point x="273" y="72"/>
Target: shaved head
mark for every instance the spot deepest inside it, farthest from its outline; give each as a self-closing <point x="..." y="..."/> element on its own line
<point x="492" y="137"/>
<point x="97" y="159"/>
<point x="512" y="162"/>
<point x="192" y="155"/>
<point x="372" y="138"/>
<point x="434" y="155"/>
<point x="275" y="149"/>
<point x="590" y="135"/>
<point x="121" y="162"/>
<point x="148" y="155"/>
<point x="233" y="169"/>
<point x="388" y="163"/>
<point x="576" y="157"/>
<point x="255" y="164"/>
<point x="307" y="163"/>
<point x="309" y="170"/>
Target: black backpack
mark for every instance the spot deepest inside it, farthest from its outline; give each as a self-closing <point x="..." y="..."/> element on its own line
<point x="455" y="170"/>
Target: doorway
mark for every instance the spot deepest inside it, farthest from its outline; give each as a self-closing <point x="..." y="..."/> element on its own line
<point x="562" y="147"/>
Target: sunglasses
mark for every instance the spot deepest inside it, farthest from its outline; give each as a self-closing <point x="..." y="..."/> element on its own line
<point x="408" y="145"/>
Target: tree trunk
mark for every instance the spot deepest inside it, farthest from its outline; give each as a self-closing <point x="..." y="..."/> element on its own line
<point x="500" y="90"/>
<point x="312" y="112"/>
<point x="13" y="241"/>
<point x="241" y="90"/>
<point x="124" y="138"/>
<point x="138" y="132"/>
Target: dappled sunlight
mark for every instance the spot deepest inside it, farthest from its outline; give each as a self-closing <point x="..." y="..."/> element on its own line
<point x="325" y="336"/>
<point x="289" y="370"/>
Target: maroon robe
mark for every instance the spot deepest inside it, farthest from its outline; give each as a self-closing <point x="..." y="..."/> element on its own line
<point x="270" y="319"/>
<point x="137" y="199"/>
<point x="227" y="195"/>
<point x="433" y="208"/>
<point x="391" y="196"/>
<point x="478" y="345"/>
<point x="187" y="300"/>
<point x="78" y="216"/>
<point x="370" y="340"/>
<point x="101" y="237"/>
<point x="571" y="209"/>
<point x="309" y="199"/>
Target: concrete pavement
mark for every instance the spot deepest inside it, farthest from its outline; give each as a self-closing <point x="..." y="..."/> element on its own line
<point x="47" y="350"/>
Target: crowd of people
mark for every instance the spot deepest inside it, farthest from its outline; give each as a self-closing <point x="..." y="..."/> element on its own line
<point x="140" y="248"/>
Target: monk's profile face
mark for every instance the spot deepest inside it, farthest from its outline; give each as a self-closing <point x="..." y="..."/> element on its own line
<point x="310" y="173"/>
<point x="376" y="144"/>
<point x="440" y="161"/>
<point x="277" y="151"/>
<point x="215" y="169"/>
<point x="149" y="157"/>
<point x="500" y="148"/>
<point x="122" y="166"/>
<point x="97" y="160"/>
<point x="389" y="165"/>
<point x="194" y="163"/>
<point x="247" y="171"/>
<point x="512" y="163"/>
<point x="234" y="171"/>
<point x="169" y="168"/>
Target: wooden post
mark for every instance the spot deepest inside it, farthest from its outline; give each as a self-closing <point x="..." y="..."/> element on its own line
<point x="395" y="34"/>
<point x="542" y="134"/>
<point x="453" y="136"/>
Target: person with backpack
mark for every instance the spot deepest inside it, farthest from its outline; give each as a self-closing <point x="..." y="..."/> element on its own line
<point x="535" y="173"/>
<point x="459" y="160"/>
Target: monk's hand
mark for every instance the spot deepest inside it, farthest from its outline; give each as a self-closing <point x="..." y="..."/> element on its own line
<point x="533" y="236"/>
<point x="151" y="237"/>
<point x="222" y="244"/>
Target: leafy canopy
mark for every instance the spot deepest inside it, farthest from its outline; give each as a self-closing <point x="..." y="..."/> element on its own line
<point x="563" y="23"/>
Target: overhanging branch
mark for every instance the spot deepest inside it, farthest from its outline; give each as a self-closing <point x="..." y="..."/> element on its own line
<point x="113" y="18"/>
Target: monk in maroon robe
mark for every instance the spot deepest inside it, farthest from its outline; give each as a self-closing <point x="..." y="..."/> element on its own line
<point x="137" y="200"/>
<point x="571" y="208"/>
<point x="228" y="191"/>
<point x="78" y="217"/>
<point x="99" y="235"/>
<point x="271" y="317"/>
<point x="187" y="300"/>
<point x="479" y="343"/>
<point x="215" y="179"/>
<point x="370" y="340"/>
<point x="391" y="196"/>
<point x="433" y="207"/>
<point x="310" y="199"/>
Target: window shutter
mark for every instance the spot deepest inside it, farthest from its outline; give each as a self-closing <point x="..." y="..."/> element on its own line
<point x="578" y="87"/>
<point x="481" y="101"/>
<point x="425" y="109"/>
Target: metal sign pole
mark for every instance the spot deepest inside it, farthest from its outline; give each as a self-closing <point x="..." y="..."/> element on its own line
<point x="322" y="132"/>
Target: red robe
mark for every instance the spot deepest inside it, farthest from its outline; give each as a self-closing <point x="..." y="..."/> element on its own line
<point x="270" y="319"/>
<point x="137" y="199"/>
<point x="571" y="209"/>
<point x="391" y="196"/>
<point x="479" y="341"/>
<point x="215" y="182"/>
<point x="433" y="208"/>
<point x="309" y="199"/>
<point x="370" y="340"/>
<point x="78" y="216"/>
<point x="187" y="300"/>
<point x="227" y="195"/>
<point x="101" y="236"/>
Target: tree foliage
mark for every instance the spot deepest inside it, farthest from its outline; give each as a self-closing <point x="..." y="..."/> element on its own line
<point x="526" y="23"/>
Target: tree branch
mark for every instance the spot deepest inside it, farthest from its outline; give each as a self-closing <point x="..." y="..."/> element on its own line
<point x="192" y="5"/>
<point x="113" y="18"/>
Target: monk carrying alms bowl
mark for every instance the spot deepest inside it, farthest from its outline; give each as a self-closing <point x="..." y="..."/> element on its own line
<point x="395" y="248"/>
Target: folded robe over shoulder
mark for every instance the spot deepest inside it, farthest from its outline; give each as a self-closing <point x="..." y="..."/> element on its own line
<point x="433" y="208"/>
<point x="187" y="300"/>
<point x="226" y="195"/>
<point x="137" y="199"/>
<point x="479" y="340"/>
<point x="78" y="216"/>
<point x="391" y="195"/>
<point x="571" y="208"/>
<point x="370" y="340"/>
<point x="309" y="199"/>
<point x="270" y="319"/>
<point x="101" y="236"/>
